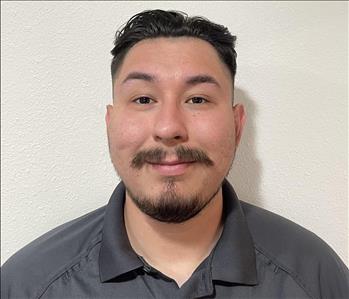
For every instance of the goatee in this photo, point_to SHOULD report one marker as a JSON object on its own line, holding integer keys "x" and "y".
{"x": 170, "y": 207}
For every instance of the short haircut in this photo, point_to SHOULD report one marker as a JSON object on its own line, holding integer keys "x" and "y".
{"x": 159, "y": 23}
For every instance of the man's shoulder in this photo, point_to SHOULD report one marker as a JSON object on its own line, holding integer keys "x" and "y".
{"x": 281, "y": 237}
{"x": 302, "y": 254}
{"x": 36, "y": 264}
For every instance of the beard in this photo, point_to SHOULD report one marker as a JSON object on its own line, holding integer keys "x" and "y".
{"x": 170, "y": 206}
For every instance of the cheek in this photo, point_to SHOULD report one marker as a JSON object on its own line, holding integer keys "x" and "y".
{"x": 217, "y": 136}
{"x": 126, "y": 134}
{"x": 216, "y": 131}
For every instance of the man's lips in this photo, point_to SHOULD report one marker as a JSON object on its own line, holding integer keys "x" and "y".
{"x": 174, "y": 162}
{"x": 171, "y": 168}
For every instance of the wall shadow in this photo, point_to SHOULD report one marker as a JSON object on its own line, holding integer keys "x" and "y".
{"x": 247, "y": 169}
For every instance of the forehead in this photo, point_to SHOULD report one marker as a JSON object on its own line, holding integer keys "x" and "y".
{"x": 174, "y": 58}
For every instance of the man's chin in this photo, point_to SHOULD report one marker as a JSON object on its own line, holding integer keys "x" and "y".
{"x": 169, "y": 204}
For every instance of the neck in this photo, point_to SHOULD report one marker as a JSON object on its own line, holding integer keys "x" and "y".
{"x": 176, "y": 250}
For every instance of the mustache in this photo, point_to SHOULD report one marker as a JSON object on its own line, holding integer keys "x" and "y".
{"x": 157, "y": 155}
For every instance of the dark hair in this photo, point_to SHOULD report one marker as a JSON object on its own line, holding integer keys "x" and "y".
{"x": 159, "y": 23}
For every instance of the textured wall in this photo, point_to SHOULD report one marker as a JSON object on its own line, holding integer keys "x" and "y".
{"x": 292, "y": 77}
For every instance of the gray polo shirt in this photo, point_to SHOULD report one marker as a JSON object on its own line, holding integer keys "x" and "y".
{"x": 259, "y": 255}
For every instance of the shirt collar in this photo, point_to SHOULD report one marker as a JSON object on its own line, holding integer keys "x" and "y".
{"x": 116, "y": 255}
{"x": 233, "y": 258}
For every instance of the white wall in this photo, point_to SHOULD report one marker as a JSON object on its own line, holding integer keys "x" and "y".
{"x": 55, "y": 83}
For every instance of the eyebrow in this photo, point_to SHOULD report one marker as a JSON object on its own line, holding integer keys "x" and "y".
{"x": 192, "y": 80}
{"x": 139, "y": 76}
{"x": 198, "y": 79}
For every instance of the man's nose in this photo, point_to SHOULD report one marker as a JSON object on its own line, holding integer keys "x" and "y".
{"x": 170, "y": 125}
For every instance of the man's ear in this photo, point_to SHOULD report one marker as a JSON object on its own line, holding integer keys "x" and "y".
{"x": 108, "y": 114}
{"x": 239, "y": 120}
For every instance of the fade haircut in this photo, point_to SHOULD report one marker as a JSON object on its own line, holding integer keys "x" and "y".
{"x": 159, "y": 23}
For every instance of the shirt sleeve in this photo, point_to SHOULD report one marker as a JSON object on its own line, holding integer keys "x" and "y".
{"x": 333, "y": 277}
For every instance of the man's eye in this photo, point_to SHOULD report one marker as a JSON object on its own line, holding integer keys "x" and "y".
{"x": 197, "y": 100}
{"x": 143, "y": 100}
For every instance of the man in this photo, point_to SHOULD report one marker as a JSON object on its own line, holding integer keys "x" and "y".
{"x": 174, "y": 228}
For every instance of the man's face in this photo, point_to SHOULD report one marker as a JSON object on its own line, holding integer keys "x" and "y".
{"x": 172, "y": 128}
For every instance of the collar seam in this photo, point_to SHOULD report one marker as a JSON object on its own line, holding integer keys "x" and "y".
{"x": 286, "y": 269}
{"x": 73, "y": 262}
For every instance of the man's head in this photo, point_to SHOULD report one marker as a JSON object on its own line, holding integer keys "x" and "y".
{"x": 172, "y": 128}
{"x": 158, "y": 23}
